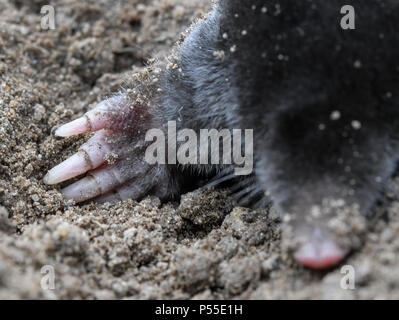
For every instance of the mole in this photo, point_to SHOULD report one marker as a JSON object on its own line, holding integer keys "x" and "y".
{"x": 322, "y": 101}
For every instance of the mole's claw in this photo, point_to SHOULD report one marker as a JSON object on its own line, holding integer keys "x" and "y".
{"x": 96, "y": 183}
{"x": 68, "y": 169}
{"x": 111, "y": 184}
{"x": 320, "y": 251}
{"x": 90, "y": 156}
{"x": 91, "y": 121}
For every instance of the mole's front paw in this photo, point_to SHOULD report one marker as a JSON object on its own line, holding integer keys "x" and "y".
{"x": 114, "y": 158}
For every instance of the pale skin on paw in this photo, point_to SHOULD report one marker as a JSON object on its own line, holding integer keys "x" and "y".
{"x": 103, "y": 182}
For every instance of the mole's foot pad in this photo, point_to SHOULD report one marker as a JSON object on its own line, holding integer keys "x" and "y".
{"x": 114, "y": 158}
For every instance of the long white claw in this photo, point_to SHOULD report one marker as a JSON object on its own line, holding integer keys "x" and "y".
{"x": 90, "y": 156}
{"x": 91, "y": 121}
{"x": 98, "y": 182}
{"x": 70, "y": 168}
{"x": 87, "y": 123}
{"x": 85, "y": 189}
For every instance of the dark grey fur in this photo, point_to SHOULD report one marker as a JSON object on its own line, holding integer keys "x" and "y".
{"x": 292, "y": 67}
{"x": 289, "y": 72}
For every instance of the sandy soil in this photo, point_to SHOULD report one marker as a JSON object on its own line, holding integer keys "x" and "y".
{"x": 200, "y": 248}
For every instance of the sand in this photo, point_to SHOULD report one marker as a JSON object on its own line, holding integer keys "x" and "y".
{"x": 199, "y": 248}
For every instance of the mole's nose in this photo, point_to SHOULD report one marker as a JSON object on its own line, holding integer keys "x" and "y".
{"x": 320, "y": 251}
